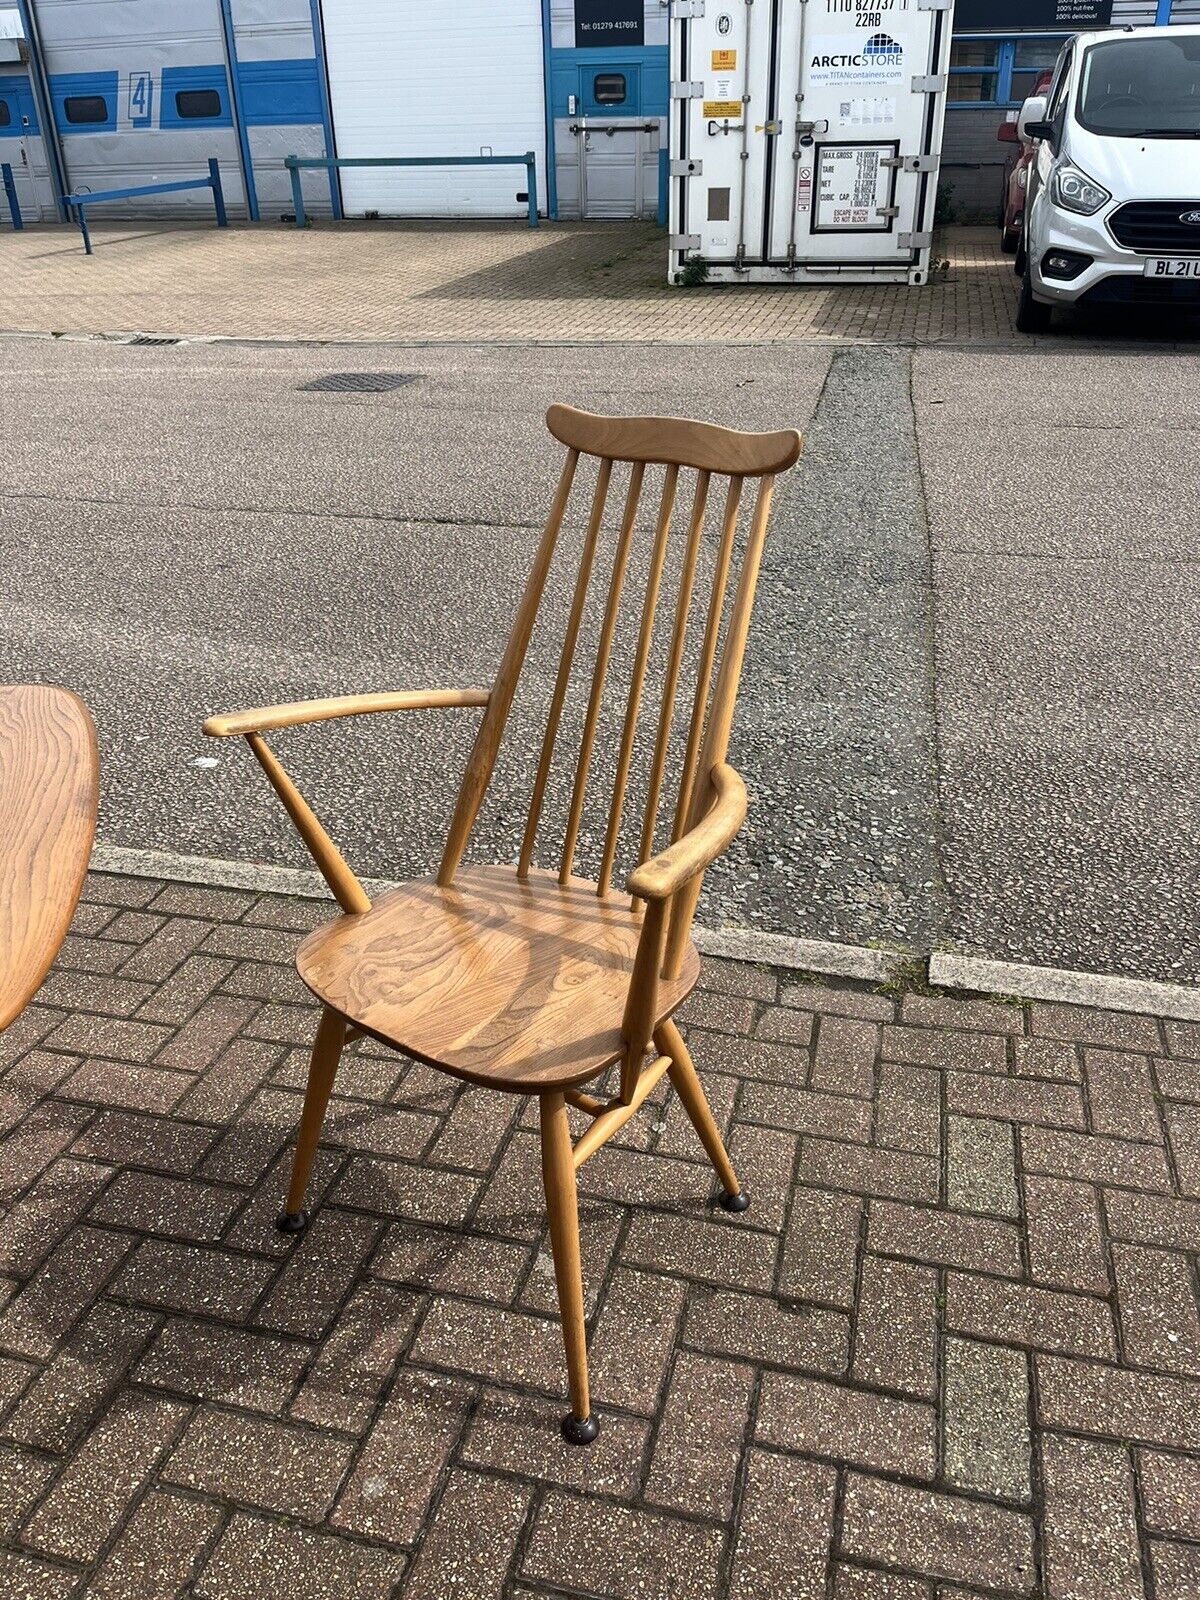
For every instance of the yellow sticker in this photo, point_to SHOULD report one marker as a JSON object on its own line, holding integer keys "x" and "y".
{"x": 722, "y": 108}
{"x": 724, "y": 60}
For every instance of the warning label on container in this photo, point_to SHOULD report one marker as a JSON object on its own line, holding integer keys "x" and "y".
{"x": 804, "y": 188}
{"x": 722, "y": 108}
{"x": 724, "y": 60}
{"x": 873, "y": 112}
{"x": 851, "y": 60}
{"x": 852, "y": 187}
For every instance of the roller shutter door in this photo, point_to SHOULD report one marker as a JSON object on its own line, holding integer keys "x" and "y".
{"x": 459, "y": 77}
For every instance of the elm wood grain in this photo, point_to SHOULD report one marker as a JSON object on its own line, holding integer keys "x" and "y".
{"x": 516, "y": 983}
{"x": 675, "y": 441}
{"x": 533, "y": 983}
{"x": 298, "y": 712}
{"x": 49, "y": 790}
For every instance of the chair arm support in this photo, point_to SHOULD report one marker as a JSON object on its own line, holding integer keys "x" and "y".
{"x": 299, "y": 712}
{"x": 663, "y": 874}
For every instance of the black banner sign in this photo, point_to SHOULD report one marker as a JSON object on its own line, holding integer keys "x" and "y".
{"x": 608, "y": 22}
{"x": 1011, "y": 16}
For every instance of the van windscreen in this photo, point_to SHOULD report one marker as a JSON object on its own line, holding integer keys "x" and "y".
{"x": 1142, "y": 88}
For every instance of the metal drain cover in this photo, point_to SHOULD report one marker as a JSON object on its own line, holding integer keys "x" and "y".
{"x": 358, "y": 382}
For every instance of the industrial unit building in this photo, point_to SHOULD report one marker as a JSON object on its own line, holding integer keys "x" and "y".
{"x": 99, "y": 94}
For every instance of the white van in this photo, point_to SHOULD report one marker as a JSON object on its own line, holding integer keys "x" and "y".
{"x": 1113, "y": 214}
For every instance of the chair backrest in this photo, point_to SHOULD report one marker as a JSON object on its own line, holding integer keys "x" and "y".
{"x": 676, "y": 446}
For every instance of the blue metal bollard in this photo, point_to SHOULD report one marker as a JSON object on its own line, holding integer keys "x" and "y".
{"x": 214, "y": 176}
{"x": 297, "y": 192}
{"x": 531, "y": 181}
{"x": 10, "y": 189}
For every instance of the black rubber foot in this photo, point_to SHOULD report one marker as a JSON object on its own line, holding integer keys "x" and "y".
{"x": 579, "y": 1430}
{"x": 292, "y": 1221}
{"x": 733, "y": 1202}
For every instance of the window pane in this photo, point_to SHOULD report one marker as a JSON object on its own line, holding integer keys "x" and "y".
{"x": 86, "y": 108}
{"x": 608, "y": 88}
{"x": 198, "y": 103}
{"x": 972, "y": 86}
{"x": 1037, "y": 52}
{"x": 5, "y": 114}
{"x": 975, "y": 53}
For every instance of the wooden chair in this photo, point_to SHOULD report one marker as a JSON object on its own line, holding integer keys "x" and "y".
{"x": 535, "y": 982}
{"x": 49, "y": 788}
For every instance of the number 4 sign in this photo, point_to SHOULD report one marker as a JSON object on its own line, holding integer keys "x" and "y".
{"x": 141, "y": 99}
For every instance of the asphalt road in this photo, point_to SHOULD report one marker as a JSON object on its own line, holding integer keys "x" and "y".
{"x": 969, "y": 715}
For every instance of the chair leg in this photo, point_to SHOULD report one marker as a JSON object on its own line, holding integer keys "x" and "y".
{"x": 327, "y": 1052}
{"x": 558, "y": 1175}
{"x": 682, "y": 1074}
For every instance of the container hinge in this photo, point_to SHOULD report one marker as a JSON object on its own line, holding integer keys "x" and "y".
{"x": 933, "y": 85}
{"x": 686, "y": 169}
{"x": 925, "y": 163}
{"x": 684, "y": 241}
{"x": 887, "y": 211}
{"x": 688, "y": 8}
{"x": 914, "y": 241}
{"x": 687, "y": 91}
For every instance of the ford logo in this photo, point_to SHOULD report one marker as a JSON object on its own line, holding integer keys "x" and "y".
{"x": 1192, "y": 218}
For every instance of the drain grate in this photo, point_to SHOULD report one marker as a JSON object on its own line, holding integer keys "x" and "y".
{"x": 149, "y": 338}
{"x": 358, "y": 382}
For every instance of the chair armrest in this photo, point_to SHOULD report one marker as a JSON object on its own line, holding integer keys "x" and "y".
{"x": 299, "y": 712}
{"x": 663, "y": 874}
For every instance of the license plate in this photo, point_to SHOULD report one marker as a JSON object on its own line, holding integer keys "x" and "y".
{"x": 1172, "y": 267}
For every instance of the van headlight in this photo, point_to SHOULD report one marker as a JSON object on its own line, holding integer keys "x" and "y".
{"x": 1075, "y": 191}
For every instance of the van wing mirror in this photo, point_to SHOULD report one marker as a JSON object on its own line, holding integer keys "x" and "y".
{"x": 1033, "y": 117}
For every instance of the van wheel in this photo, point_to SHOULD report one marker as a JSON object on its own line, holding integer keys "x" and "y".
{"x": 1032, "y": 315}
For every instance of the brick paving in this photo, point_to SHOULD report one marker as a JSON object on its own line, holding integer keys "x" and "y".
{"x": 466, "y": 281}
{"x": 952, "y": 1352}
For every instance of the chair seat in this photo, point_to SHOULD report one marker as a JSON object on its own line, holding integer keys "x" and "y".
{"x": 515, "y": 983}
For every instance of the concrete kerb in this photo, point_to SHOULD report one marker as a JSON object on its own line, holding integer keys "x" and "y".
{"x": 734, "y": 944}
{"x": 1144, "y": 996}
{"x": 1070, "y": 344}
{"x": 969, "y": 974}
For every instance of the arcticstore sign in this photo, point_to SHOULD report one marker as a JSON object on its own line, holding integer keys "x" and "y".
{"x": 608, "y": 22}
{"x": 982, "y": 16}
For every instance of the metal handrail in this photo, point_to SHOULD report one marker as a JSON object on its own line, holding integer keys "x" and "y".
{"x": 10, "y": 189}
{"x": 628, "y": 126}
{"x": 294, "y": 164}
{"x": 87, "y": 198}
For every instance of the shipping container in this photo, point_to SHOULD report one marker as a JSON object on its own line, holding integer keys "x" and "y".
{"x": 804, "y": 139}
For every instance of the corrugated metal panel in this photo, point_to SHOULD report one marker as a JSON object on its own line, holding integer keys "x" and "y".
{"x": 1186, "y": 11}
{"x": 460, "y": 78}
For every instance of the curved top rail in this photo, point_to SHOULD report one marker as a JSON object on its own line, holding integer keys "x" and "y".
{"x": 675, "y": 441}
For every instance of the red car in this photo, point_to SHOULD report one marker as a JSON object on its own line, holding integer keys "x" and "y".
{"x": 1016, "y": 176}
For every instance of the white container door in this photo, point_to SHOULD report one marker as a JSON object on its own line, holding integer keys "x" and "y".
{"x": 805, "y": 134}
{"x": 852, "y": 163}
{"x": 724, "y": 59}
{"x": 459, "y": 78}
